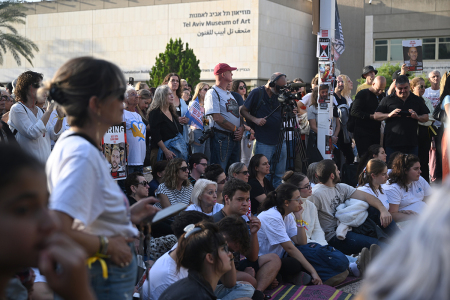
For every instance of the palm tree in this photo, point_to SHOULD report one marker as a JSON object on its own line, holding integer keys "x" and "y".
{"x": 10, "y": 41}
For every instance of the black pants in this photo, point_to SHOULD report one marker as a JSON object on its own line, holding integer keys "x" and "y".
{"x": 344, "y": 148}
{"x": 424, "y": 151}
{"x": 438, "y": 142}
{"x": 290, "y": 267}
{"x": 364, "y": 140}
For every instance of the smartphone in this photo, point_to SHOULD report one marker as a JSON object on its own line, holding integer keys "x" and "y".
{"x": 169, "y": 212}
{"x": 404, "y": 113}
{"x": 131, "y": 80}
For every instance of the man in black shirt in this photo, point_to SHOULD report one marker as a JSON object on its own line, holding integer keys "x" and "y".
{"x": 367, "y": 129}
{"x": 402, "y": 112}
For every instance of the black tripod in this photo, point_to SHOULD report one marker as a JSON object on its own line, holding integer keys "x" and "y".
{"x": 289, "y": 125}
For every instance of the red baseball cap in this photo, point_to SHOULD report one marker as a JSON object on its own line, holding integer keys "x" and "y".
{"x": 220, "y": 68}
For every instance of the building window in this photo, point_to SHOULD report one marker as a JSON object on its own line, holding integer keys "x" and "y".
{"x": 432, "y": 49}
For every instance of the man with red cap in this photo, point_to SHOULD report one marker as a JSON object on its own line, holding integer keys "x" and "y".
{"x": 223, "y": 111}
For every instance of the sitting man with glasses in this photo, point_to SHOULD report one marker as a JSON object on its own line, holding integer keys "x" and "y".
{"x": 137, "y": 187}
{"x": 260, "y": 271}
{"x": 197, "y": 165}
{"x": 402, "y": 111}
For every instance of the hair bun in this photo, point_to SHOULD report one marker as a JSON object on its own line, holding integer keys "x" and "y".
{"x": 56, "y": 93}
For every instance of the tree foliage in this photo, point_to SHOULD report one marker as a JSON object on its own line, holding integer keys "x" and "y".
{"x": 10, "y": 41}
{"x": 176, "y": 59}
{"x": 388, "y": 69}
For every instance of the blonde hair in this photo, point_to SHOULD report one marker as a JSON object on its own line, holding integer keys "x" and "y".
{"x": 199, "y": 187}
{"x": 346, "y": 92}
{"x": 198, "y": 88}
{"x": 140, "y": 85}
{"x": 160, "y": 100}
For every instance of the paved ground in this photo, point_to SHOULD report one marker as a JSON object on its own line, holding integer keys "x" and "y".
{"x": 352, "y": 288}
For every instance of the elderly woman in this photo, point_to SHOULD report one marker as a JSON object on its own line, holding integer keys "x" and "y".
{"x": 204, "y": 197}
{"x": 142, "y": 86}
{"x": 136, "y": 130}
{"x": 181, "y": 108}
{"x": 199, "y": 96}
{"x": 164, "y": 127}
{"x": 30, "y": 123}
{"x": 91, "y": 91}
{"x": 424, "y": 129}
{"x": 239, "y": 170}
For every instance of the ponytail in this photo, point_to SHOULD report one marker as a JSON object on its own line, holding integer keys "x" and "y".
{"x": 276, "y": 198}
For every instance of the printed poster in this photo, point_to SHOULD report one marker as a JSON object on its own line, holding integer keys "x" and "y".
{"x": 412, "y": 54}
{"x": 115, "y": 151}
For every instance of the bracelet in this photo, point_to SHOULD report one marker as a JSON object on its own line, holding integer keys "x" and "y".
{"x": 60, "y": 119}
{"x": 104, "y": 242}
{"x": 234, "y": 128}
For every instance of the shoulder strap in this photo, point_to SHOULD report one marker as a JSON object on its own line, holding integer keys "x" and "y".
{"x": 260, "y": 100}
{"x": 217, "y": 94}
{"x": 15, "y": 130}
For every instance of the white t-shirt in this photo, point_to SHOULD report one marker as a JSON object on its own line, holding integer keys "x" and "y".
{"x": 162, "y": 275}
{"x": 306, "y": 100}
{"x": 411, "y": 199}
{"x": 227, "y": 107}
{"x": 216, "y": 208}
{"x": 136, "y": 130}
{"x": 32, "y": 135}
{"x": 274, "y": 231}
{"x": 52, "y": 121}
{"x": 382, "y": 197}
{"x": 433, "y": 95}
{"x": 81, "y": 186}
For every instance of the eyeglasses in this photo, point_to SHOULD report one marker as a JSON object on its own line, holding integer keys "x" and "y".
{"x": 243, "y": 172}
{"x": 5, "y": 98}
{"x": 298, "y": 199}
{"x": 306, "y": 187}
{"x": 184, "y": 169}
{"x": 225, "y": 248}
{"x": 223, "y": 181}
{"x": 144, "y": 183}
{"x": 242, "y": 87}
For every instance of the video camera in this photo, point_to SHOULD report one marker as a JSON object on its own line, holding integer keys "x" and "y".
{"x": 287, "y": 98}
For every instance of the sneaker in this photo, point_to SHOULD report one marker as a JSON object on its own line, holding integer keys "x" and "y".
{"x": 374, "y": 251}
{"x": 363, "y": 260}
{"x": 301, "y": 278}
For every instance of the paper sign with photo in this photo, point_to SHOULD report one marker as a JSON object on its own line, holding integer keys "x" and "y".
{"x": 412, "y": 54}
{"x": 115, "y": 151}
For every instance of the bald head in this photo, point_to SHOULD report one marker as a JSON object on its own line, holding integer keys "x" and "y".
{"x": 378, "y": 85}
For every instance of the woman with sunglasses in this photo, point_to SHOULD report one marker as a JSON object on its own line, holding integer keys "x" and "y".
{"x": 91, "y": 92}
{"x": 202, "y": 250}
{"x": 204, "y": 197}
{"x": 137, "y": 187}
{"x": 199, "y": 96}
{"x": 239, "y": 171}
{"x": 281, "y": 231}
{"x": 176, "y": 187}
{"x": 424, "y": 129}
{"x": 217, "y": 174}
{"x": 261, "y": 186}
{"x": 30, "y": 123}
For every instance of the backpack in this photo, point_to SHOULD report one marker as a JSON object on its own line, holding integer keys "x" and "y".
{"x": 351, "y": 122}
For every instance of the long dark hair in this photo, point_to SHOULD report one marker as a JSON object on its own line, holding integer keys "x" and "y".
{"x": 235, "y": 87}
{"x": 254, "y": 163}
{"x": 368, "y": 155}
{"x": 402, "y": 163}
{"x": 167, "y": 79}
{"x": 276, "y": 198}
{"x": 374, "y": 166}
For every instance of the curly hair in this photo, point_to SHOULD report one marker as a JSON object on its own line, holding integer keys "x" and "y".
{"x": 212, "y": 172}
{"x": 401, "y": 164}
{"x": 23, "y": 82}
{"x": 171, "y": 176}
{"x": 235, "y": 229}
{"x": 167, "y": 79}
{"x": 233, "y": 185}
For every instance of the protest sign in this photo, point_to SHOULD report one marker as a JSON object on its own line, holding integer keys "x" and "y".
{"x": 115, "y": 151}
{"x": 412, "y": 54}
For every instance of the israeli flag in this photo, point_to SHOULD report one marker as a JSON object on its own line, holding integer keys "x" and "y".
{"x": 195, "y": 115}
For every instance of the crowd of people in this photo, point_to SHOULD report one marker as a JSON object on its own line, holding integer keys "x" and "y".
{"x": 258, "y": 213}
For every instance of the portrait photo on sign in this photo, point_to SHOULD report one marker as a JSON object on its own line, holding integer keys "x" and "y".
{"x": 115, "y": 151}
{"x": 412, "y": 54}
{"x": 326, "y": 71}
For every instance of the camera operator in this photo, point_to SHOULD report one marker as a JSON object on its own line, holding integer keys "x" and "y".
{"x": 402, "y": 111}
{"x": 222, "y": 108}
{"x": 268, "y": 121}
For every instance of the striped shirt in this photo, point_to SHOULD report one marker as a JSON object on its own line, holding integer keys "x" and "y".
{"x": 175, "y": 196}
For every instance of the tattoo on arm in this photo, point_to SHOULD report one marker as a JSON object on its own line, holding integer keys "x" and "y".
{"x": 224, "y": 122}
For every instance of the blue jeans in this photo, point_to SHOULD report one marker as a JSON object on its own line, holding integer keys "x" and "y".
{"x": 354, "y": 243}
{"x": 200, "y": 148}
{"x": 269, "y": 151}
{"x": 403, "y": 149}
{"x": 224, "y": 150}
{"x": 238, "y": 291}
{"x": 132, "y": 169}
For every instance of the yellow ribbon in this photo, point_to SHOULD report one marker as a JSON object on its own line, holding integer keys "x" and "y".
{"x": 432, "y": 129}
{"x": 99, "y": 258}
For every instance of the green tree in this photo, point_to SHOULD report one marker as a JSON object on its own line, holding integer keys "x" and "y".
{"x": 388, "y": 69}
{"x": 176, "y": 59}
{"x": 10, "y": 41}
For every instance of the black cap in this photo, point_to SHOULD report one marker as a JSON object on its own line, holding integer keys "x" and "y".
{"x": 368, "y": 69}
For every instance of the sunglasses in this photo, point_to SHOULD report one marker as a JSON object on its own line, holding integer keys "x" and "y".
{"x": 144, "y": 183}
{"x": 223, "y": 181}
{"x": 243, "y": 172}
{"x": 4, "y": 98}
{"x": 306, "y": 187}
{"x": 184, "y": 169}
{"x": 421, "y": 86}
{"x": 225, "y": 248}
{"x": 203, "y": 164}
{"x": 205, "y": 89}
{"x": 242, "y": 87}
